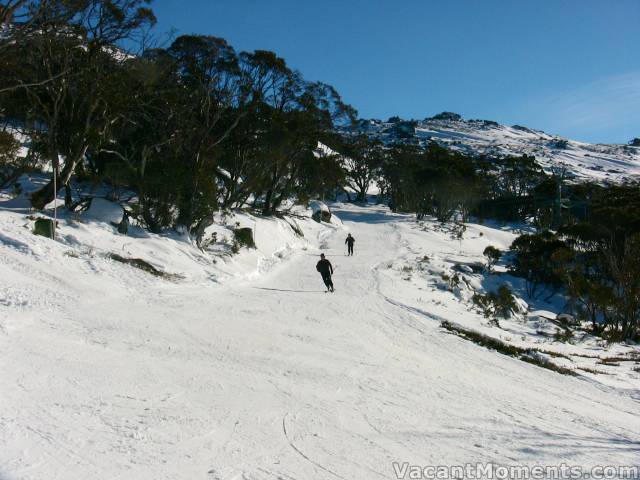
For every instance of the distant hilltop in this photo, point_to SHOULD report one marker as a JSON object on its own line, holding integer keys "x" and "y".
{"x": 597, "y": 162}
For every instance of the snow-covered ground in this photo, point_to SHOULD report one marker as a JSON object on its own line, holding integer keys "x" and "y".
{"x": 593, "y": 162}
{"x": 242, "y": 367}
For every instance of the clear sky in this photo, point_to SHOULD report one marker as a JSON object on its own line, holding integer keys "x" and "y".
{"x": 570, "y": 67}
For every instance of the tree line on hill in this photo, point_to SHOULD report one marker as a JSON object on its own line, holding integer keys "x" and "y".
{"x": 190, "y": 128}
{"x": 195, "y": 127}
{"x": 587, "y": 241}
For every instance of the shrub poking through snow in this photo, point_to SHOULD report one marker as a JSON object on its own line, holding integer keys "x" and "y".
{"x": 296, "y": 228}
{"x": 407, "y": 270}
{"x": 564, "y": 335}
{"x": 144, "y": 266}
{"x": 494, "y": 305}
{"x": 529, "y": 355}
{"x": 457, "y": 232}
{"x": 493, "y": 256}
{"x": 244, "y": 237}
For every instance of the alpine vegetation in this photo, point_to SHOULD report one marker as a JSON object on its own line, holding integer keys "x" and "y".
{"x": 212, "y": 268}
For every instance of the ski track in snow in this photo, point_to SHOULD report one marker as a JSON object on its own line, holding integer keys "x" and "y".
{"x": 112, "y": 374}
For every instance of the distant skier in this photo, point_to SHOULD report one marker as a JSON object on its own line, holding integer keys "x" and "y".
{"x": 349, "y": 241}
{"x": 326, "y": 270}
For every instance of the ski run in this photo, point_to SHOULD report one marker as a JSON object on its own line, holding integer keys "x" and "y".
{"x": 240, "y": 367}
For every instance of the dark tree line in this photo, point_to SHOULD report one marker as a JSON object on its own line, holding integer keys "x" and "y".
{"x": 189, "y": 128}
{"x": 196, "y": 126}
{"x": 593, "y": 260}
{"x": 588, "y": 244}
{"x": 450, "y": 185}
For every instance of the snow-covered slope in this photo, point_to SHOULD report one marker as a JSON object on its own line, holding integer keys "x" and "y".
{"x": 230, "y": 371}
{"x": 597, "y": 162}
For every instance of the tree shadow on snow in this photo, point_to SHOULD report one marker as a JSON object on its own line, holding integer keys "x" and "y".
{"x": 366, "y": 216}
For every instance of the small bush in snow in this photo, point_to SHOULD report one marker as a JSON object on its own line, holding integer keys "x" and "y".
{"x": 494, "y": 305}
{"x": 493, "y": 256}
{"x": 458, "y": 230}
{"x": 145, "y": 266}
{"x": 564, "y": 335}
{"x": 559, "y": 143}
{"x": 452, "y": 281}
{"x": 407, "y": 270}
{"x": 529, "y": 355}
{"x": 296, "y": 229}
{"x": 244, "y": 238}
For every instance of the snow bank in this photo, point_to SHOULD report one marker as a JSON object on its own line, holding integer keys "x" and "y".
{"x": 104, "y": 211}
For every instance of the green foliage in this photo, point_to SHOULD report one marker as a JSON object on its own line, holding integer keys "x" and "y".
{"x": 10, "y": 164}
{"x": 448, "y": 116}
{"x": 594, "y": 261}
{"x": 363, "y": 159}
{"x": 493, "y": 256}
{"x": 201, "y": 126}
{"x": 198, "y": 126}
{"x": 495, "y": 305}
{"x": 145, "y": 266}
{"x": 244, "y": 237}
{"x": 511, "y": 185}
{"x": 61, "y": 76}
{"x": 564, "y": 335}
{"x": 559, "y": 143}
{"x": 529, "y": 355}
{"x": 433, "y": 181}
{"x": 539, "y": 258}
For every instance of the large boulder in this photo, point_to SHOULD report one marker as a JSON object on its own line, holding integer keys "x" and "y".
{"x": 320, "y": 211}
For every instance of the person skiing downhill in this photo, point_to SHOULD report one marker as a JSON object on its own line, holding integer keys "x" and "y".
{"x": 326, "y": 270}
{"x": 349, "y": 241}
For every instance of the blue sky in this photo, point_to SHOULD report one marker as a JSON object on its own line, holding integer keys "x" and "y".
{"x": 570, "y": 67}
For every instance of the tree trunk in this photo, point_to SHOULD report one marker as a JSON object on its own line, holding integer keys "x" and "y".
{"x": 40, "y": 198}
{"x": 266, "y": 210}
{"x": 68, "y": 198}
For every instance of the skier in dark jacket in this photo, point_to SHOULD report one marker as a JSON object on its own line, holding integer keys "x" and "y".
{"x": 349, "y": 241}
{"x": 326, "y": 270}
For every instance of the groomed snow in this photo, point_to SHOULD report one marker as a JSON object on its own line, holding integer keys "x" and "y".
{"x": 245, "y": 369}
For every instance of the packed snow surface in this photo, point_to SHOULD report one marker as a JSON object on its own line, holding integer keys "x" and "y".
{"x": 246, "y": 369}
